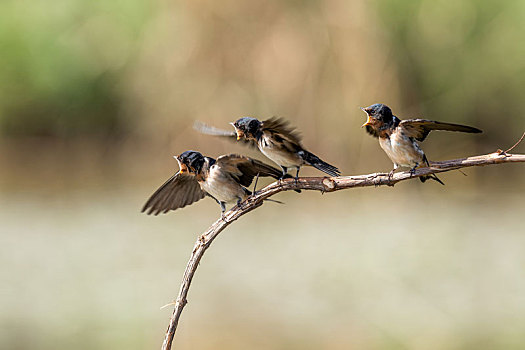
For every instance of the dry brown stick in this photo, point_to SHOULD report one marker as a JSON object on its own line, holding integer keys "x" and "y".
{"x": 517, "y": 143}
{"x": 323, "y": 184}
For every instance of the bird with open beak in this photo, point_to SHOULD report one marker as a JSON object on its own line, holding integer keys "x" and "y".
{"x": 399, "y": 138}
{"x": 224, "y": 179}
{"x": 276, "y": 140}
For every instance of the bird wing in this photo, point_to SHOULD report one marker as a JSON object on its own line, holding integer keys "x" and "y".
{"x": 244, "y": 169}
{"x": 180, "y": 190}
{"x": 231, "y": 135}
{"x": 281, "y": 129}
{"x": 420, "y": 128}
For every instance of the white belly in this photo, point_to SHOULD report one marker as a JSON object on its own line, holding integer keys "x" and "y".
{"x": 278, "y": 155}
{"x": 222, "y": 188}
{"x": 402, "y": 151}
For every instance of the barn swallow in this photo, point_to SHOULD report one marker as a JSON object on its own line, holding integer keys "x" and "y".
{"x": 276, "y": 140}
{"x": 223, "y": 179}
{"x": 398, "y": 138}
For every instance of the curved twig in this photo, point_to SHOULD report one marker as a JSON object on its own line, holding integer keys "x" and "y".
{"x": 517, "y": 143}
{"x": 323, "y": 184}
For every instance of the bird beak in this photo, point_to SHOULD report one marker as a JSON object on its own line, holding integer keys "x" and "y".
{"x": 240, "y": 134}
{"x": 368, "y": 122}
{"x": 183, "y": 169}
{"x": 365, "y": 109}
{"x": 182, "y": 166}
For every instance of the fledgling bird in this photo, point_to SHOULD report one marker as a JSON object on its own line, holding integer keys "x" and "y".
{"x": 399, "y": 138}
{"x": 276, "y": 140}
{"x": 223, "y": 179}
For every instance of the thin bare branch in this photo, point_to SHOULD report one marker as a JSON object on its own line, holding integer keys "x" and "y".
{"x": 323, "y": 184}
{"x": 517, "y": 143}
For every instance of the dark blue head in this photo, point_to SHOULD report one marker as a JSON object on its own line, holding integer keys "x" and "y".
{"x": 190, "y": 161}
{"x": 380, "y": 117}
{"x": 378, "y": 111}
{"x": 247, "y": 127}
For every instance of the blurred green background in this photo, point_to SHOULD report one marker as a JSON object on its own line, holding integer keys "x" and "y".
{"x": 96, "y": 96}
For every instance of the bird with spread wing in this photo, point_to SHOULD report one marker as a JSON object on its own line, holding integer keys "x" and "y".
{"x": 399, "y": 138}
{"x": 275, "y": 139}
{"x": 224, "y": 179}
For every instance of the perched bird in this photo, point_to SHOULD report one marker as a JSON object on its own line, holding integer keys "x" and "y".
{"x": 276, "y": 140}
{"x": 223, "y": 179}
{"x": 398, "y": 138}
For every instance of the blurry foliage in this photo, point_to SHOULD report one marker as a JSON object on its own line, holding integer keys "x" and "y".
{"x": 81, "y": 67}
{"x": 461, "y": 56}
{"x": 61, "y": 64}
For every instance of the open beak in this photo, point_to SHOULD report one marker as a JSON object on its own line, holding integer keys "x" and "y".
{"x": 182, "y": 166}
{"x": 240, "y": 134}
{"x": 368, "y": 120}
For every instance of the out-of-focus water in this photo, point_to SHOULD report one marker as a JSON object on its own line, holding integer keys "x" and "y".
{"x": 417, "y": 267}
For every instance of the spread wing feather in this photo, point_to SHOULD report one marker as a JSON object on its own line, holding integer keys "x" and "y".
{"x": 244, "y": 169}
{"x": 228, "y": 134}
{"x": 177, "y": 192}
{"x": 420, "y": 128}
{"x": 282, "y": 128}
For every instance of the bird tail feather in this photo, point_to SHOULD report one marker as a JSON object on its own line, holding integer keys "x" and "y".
{"x": 431, "y": 177}
{"x": 319, "y": 164}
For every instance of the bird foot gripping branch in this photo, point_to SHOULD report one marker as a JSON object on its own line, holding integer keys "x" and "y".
{"x": 200, "y": 176}
{"x": 399, "y": 138}
{"x": 224, "y": 179}
{"x": 314, "y": 183}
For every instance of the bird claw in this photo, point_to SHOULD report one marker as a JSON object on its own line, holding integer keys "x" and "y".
{"x": 239, "y": 203}
{"x": 391, "y": 175}
{"x": 390, "y": 178}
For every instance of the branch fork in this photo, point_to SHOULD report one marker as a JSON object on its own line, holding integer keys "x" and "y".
{"x": 322, "y": 184}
